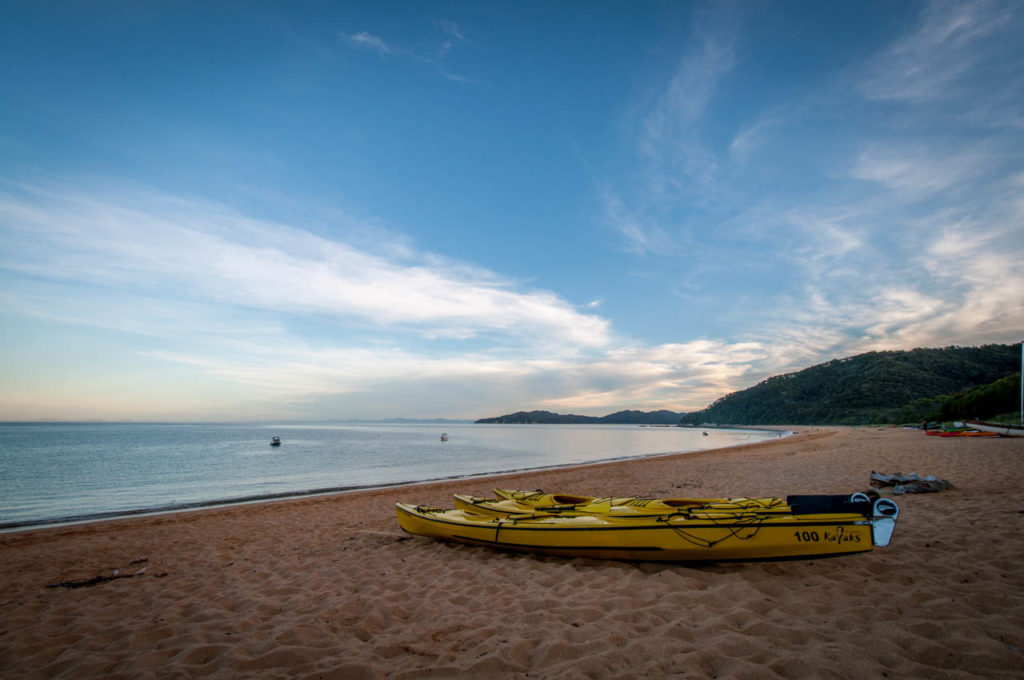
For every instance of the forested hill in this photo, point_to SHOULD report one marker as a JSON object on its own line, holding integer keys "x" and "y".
{"x": 877, "y": 387}
{"x": 619, "y": 418}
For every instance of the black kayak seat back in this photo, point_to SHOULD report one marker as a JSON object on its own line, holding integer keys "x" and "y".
{"x": 816, "y": 504}
{"x": 566, "y": 499}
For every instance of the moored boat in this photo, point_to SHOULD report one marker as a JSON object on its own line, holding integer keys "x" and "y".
{"x": 815, "y": 526}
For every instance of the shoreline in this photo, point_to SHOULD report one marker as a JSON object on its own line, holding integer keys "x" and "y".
{"x": 330, "y": 587}
{"x": 27, "y": 525}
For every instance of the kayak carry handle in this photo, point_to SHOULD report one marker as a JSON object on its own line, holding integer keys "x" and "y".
{"x": 883, "y": 523}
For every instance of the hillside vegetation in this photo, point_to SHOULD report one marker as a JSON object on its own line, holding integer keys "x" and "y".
{"x": 984, "y": 402}
{"x": 879, "y": 387}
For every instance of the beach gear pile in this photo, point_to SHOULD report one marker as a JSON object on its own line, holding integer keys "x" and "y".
{"x": 660, "y": 529}
{"x": 912, "y": 483}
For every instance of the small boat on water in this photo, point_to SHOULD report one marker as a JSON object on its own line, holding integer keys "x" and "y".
{"x": 814, "y": 526}
{"x": 997, "y": 428}
{"x": 444, "y": 436}
{"x": 275, "y": 441}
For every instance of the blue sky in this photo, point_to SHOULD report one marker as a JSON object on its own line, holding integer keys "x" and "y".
{"x": 252, "y": 210}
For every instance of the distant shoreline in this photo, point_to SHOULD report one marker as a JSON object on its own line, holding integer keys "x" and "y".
{"x": 617, "y": 418}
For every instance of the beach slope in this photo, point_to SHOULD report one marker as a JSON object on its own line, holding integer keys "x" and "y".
{"x": 329, "y": 587}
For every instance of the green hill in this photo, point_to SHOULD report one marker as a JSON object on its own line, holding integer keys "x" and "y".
{"x": 877, "y": 387}
{"x": 984, "y": 402}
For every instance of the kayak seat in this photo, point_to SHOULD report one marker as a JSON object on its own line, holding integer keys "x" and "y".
{"x": 683, "y": 502}
{"x": 816, "y": 504}
{"x": 566, "y": 499}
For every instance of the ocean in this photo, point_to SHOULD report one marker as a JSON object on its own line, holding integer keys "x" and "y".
{"x": 63, "y": 472}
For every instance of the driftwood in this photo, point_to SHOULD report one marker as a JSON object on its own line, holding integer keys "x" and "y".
{"x": 96, "y": 580}
{"x": 912, "y": 483}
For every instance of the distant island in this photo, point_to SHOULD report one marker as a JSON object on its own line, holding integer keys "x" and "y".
{"x": 618, "y": 418}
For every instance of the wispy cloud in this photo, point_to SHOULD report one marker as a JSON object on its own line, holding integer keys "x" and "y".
{"x": 672, "y": 376}
{"x": 921, "y": 169}
{"x": 677, "y": 169}
{"x": 367, "y": 41}
{"x": 950, "y": 42}
{"x": 980, "y": 265}
{"x": 638, "y": 236}
{"x": 453, "y": 31}
{"x": 887, "y": 280}
{"x": 154, "y": 243}
{"x": 437, "y": 52}
{"x": 672, "y": 129}
{"x": 751, "y": 137}
{"x": 823, "y": 236}
{"x": 695, "y": 79}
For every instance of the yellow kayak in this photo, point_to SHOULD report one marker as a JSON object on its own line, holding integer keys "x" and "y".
{"x": 510, "y": 502}
{"x": 816, "y": 526}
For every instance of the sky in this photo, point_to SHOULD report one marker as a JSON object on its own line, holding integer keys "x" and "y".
{"x": 320, "y": 210}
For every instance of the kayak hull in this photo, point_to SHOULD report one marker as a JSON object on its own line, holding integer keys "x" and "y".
{"x": 1000, "y": 429}
{"x": 684, "y": 537}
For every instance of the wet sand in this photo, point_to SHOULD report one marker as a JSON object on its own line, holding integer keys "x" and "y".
{"x": 329, "y": 586}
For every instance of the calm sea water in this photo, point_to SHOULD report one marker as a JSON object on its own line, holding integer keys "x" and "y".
{"x": 66, "y": 471}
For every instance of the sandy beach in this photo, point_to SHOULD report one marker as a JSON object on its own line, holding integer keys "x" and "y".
{"x": 329, "y": 586}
